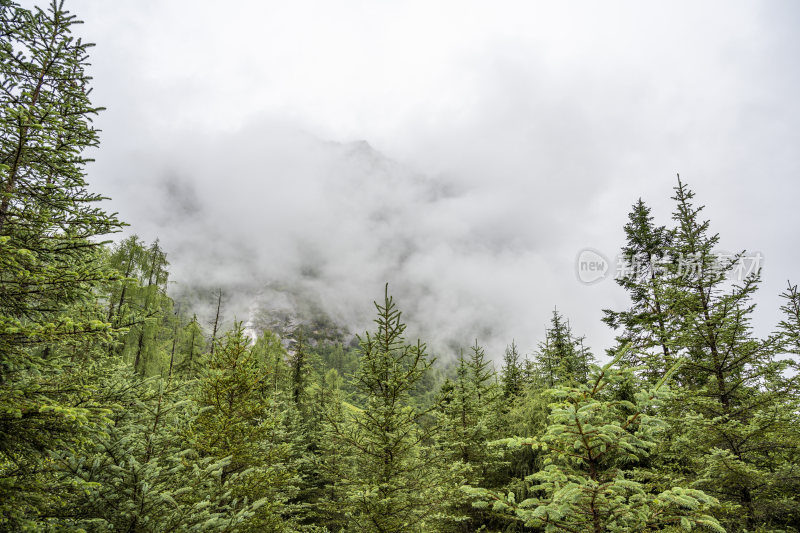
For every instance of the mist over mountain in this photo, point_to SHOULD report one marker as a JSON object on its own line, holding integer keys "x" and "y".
{"x": 273, "y": 215}
{"x": 504, "y": 142}
{"x": 327, "y": 223}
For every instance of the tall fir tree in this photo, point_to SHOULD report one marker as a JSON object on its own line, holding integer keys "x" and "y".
{"x": 50, "y": 263}
{"x": 467, "y": 417}
{"x": 300, "y": 366}
{"x": 647, "y": 323}
{"x": 512, "y": 373}
{"x": 562, "y": 357}
{"x": 789, "y": 327}
{"x": 738, "y": 402}
{"x": 238, "y": 422}
{"x": 191, "y": 348}
{"x": 331, "y": 458}
{"x": 397, "y": 480}
{"x": 735, "y": 400}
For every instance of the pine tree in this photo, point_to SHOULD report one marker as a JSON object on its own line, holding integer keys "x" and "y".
{"x": 125, "y": 257}
{"x": 238, "y": 422}
{"x": 340, "y": 357}
{"x": 304, "y": 405}
{"x": 735, "y": 405}
{"x": 300, "y": 366}
{"x": 562, "y": 357}
{"x": 735, "y": 400}
{"x": 155, "y": 308}
{"x": 789, "y": 328}
{"x": 316, "y": 455}
{"x": 191, "y": 348}
{"x": 397, "y": 481}
{"x": 466, "y": 415}
{"x": 591, "y": 443}
{"x": 50, "y": 259}
{"x": 331, "y": 458}
{"x": 216, "y": 323}
{"x": 271, "y": 354}
{"x": 512, "y": 373}
{"x": 139, "y": 305}
{"x": 135, "y": 476}
{"x": 647, "y": 322}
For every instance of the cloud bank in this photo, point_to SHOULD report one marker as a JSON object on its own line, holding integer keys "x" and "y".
{"x": 502, "y": 140}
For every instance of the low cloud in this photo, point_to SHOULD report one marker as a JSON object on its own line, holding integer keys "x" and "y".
{"x": 269, "y": 207}
{"x": 501, "y": 141}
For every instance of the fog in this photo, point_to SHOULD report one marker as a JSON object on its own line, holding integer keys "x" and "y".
{"x": 463, "y": 153}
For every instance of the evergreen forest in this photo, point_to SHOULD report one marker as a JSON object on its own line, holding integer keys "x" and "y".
{"x": 122, "y": 411}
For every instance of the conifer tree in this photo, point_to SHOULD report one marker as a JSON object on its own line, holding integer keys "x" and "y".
{"x": 135, "y": 475}
{"x": 736, "y": 408}
{"x": 591, "y": 443}
{"x": 216, "y": 322}
{"x": 789, "y": 328}
{"x": 317, "y": 457}
{"x": 331, "y": 458}
{"x": 343, "y": 358}
{"x": 191, "y": 348}
{"x": 270, "y": 353}
{"x": 237, "y": 422}
{"x": 647, "y": 322}
{"x": 50, "y": 262}
{"x": 300, "y": 366}
{"x": 139, "y": 305}
{"x": 736, "y": 400}
{"x": 562, "y": 357}
{"x": 398, "y": 480}
{"x": 126, "y": 257}
{"x": 155, "y": 308}
{"x": 467, "y": 417}
{"x": 304, "y": 405}
{"x": 512, "y": 373}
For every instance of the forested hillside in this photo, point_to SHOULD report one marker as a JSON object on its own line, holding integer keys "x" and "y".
{"x": 123, "y": 411}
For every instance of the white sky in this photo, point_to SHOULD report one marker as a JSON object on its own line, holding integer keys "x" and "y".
{"x": 542, "y": 122}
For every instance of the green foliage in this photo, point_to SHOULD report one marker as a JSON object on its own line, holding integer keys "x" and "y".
{"x": 339, "y": 357}
{"x": 732, "y": 422}
{"x": 394, "y": 478}
{"x": 238, "y": 422}
{"x": 562, "y": 357}
{"x": 790, "y": 326}
{"x": 738, "y": 402}
{"x": 300, "y": 368}
{"x": 139, "y": 303}
{"x": 136, "y": 475}
{"x": 643, "y": 275}
{"x": 465, "y": 410}
{"x": 466, "y": 415}
{"x": 190, "y": 349}
{"x": 591, "y": 444}
{"x": 120, "y": 412}
{"x": 50, "y": 262}
{"x": 512, "y": 372}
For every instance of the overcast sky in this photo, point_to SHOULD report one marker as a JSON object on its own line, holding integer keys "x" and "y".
{"x": 500, "y": 139}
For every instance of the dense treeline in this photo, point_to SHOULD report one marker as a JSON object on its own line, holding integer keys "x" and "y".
{"x": 122, "y": 411}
